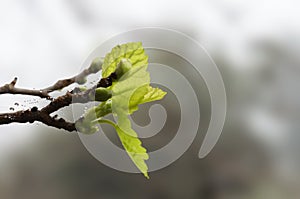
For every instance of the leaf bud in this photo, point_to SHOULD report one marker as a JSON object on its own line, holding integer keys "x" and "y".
{"x": 102, "y": 94}
{"x": 123, "y": 67}
{"x": 96, "y": 65}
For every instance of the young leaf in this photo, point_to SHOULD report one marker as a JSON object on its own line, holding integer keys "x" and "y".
{"x": 133, "y": 51}
{"x": 122, "y": 92}
{"x": 135, "y": 150}
{"x": 143, "y": 95}
{"x": 132, "y": 145}
{"x": 128, "y": 90}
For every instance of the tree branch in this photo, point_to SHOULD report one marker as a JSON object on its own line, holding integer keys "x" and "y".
{"x": 33, "y": 115}
{"x": 80, "y": 79}
{"x": 60, "y": 84}
{"x": 11, "y": 89}
{"x": 43, "y": 115}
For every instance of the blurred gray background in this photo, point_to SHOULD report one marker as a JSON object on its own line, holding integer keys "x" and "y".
{"x": 255, "y": 45}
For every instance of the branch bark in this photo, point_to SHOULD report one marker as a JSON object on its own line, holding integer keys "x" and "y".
{"x": 11, "y": 89}
{"x": 60, "y": 84}
{"x": 43, "y": 115}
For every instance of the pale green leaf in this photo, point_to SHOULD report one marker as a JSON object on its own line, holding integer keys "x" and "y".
{"x": 135, "y": 150}
{"x": 133, "y": 51}
{"x": 132, "y": 145}
{"x": 122, "y": 92}
{"x": 143, "y": 95}
{"x": 128, "y": 90}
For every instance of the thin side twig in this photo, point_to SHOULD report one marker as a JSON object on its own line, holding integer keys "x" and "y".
{"x": 60, "y": 84}
{"x": 11, "y": 89}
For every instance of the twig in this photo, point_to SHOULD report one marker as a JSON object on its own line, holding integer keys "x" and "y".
{"x": 43, "y": 115}
{"x": 60, "y": 84}
{"x": 33, "y": 115}
{"x": 80, "y": 78}
{"x": 11, "y": 89}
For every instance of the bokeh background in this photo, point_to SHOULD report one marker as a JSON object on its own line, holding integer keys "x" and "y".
{"x": 255, "y": 45}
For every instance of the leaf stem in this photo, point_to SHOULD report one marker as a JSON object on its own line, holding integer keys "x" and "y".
{"x": 105, "y": 121}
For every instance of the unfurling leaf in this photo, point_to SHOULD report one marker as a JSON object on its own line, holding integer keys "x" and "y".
{"x": 130, "y": 88}
{"x": 133, "y": 51}
{"x": 143, "y": 95}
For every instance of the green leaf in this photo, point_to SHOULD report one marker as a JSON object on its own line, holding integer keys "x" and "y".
{"x": 134, "y": 149}
{"x": 133, "y": 51}
{"x": 123, "y": 67}
{"x": 132, "y": 145}
{"x": 143, "y": 95}
{"x": 128, "y": 90}
{"x": 122, "y": 92}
